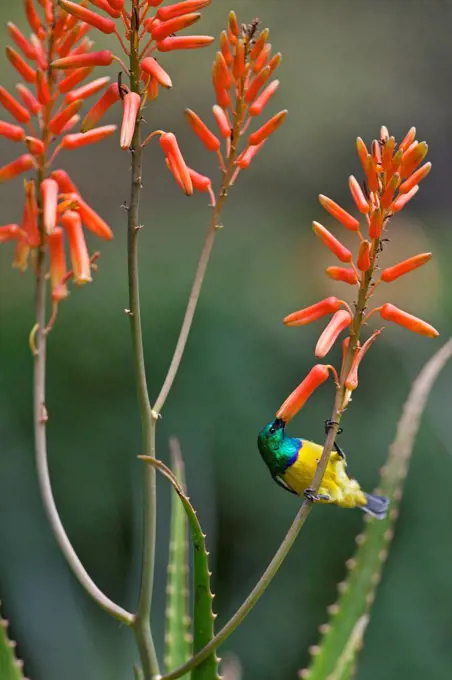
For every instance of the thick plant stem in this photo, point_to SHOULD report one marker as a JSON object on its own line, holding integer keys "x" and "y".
{"x": 142, "y": 625}
{"x": 303, "y": 513}
{"x": 39, "y": 347}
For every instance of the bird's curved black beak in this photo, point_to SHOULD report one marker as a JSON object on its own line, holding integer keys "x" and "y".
{"x": 279, "y": 424}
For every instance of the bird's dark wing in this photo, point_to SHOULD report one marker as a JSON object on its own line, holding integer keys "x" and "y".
{"x": 280, "y": 482}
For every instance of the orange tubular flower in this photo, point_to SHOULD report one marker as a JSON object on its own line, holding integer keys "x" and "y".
{"x": 29, "y": 218}
{"x": 223, "y": 122}
{"x": 49, "y": 195}
{"x": 339, "y": 213}
{"x": 200, "y": 182}
{"x": 102, "y": 58}
{"x": 58, "y": 269}
{"x": 351, "y": 382}
{"x": 415, "y": 178}
{"x": 376, "y": 224}
{"x": 184, "y": 42}
{"x": 79, "y": 139}
{"x": 72, "y": 224}
{"x": 17, "y": 167}
{"x": 342, "y": 274}
{"x": 403, "y": 199}
{"x": 338, "y": 323}
{"x": 131, "y": 109}
{"x": 9, "y": 232}
{"x": 87, "y": 90}
{"x": 101, "y": 23}
{"x": 12, "y": 132}
{"x": 358, "y": 195}
{"x": 180, "y": 8}
{"x": 58, "y": 123}
{"x": 25, "y": 71}
{"x": 162, "y": 29}
{"x": 258, "y": 105}
{"x": 169, "y": 144}
{"x": 90, "y": 218}
{"x": 245, "y": 158}
{"x": 392, "y": 273}
{"x": 95, "y": 114}
{"x": 13, "y": 107}
{"x": 304, "y": 316}
{"x": 256, "y": 84}
{"x": 28, "y": 99}
{"x": 21, "y": 41}
{"x": 331, "y": 242}
{"x": 35, "y": 146}
{"x": 153, "y": 68}
{"x": 267, "y": 129}
{"x": 363, "y": 263}
{"x": 295, "y": 401}
{"x": 210, "y": 141}
{"x": 392, "y": 313}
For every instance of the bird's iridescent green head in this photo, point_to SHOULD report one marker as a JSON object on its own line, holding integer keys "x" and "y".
{"x": 277, "y": 450}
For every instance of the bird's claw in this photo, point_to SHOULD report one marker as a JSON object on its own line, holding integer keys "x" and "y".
{"x": 314, "y": 497}
{"x": 329, "y": 424}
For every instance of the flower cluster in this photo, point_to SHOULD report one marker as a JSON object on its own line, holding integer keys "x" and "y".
{"x": 45, "y": 112}
{"x": 392, "y": 176}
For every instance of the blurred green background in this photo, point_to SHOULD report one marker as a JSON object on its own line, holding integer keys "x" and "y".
{"x": 348, "y": 68}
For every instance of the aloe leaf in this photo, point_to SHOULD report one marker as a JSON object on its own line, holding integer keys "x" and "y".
{"x": 177, "y": 636}
{"x": 357, "y": 591}
{"x": 203, "y": 616}
{"x": 10, "y": 665}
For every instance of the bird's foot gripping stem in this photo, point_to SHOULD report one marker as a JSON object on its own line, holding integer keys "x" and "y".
{"x": 314, "y": 497}
{"x": 328, "y": 425}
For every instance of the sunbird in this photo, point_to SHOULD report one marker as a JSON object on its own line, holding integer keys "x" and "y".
{"x": 293, "y": 461}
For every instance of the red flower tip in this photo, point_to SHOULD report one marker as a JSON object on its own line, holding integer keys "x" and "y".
{"x": 17, "y": 167}
{"x": 337, "y": 324}
{"x": 363, "y": 262}
{"x": 34, "y": 20}
{"x": 28, "y": 99}
{"x": 12, "y": 132}
{"x": 409, "y": 139}
{"x": 95, "y": 114}
{"x": 238, "y": 67}
{"x": 259, "y": 44}
{"x": 210, "y": 141}
{"x": 262, "y": 58}
{"x": 412, "y": 157}
{"x": 83, "y": 14}
{"x": 295, "y": 401}
{"x": 358, "y": 195}
{"x": 363, "y": 153}
{"x": 392, "y": 273}
{"x": 263, "y": 99}
{"x": 153, "y": 68}
{"x": 331, "y": 242}
{"x": 49, "y": 195}
{"x": 29, "y": 223}
{"x": 304, "y": 316}
{"x": 256, "y": 84}
{"x": 131, "y": 108}
{"x": 413, "y": 323}
{"x": 342, "y": 274}
{"x": 339, "y": 213}
{"x": 176, "y": 162}
{"x": 351, "y": 382}
{"x": 13, "y": 107}
{"x": 180, "y": 8}
{"x": 184, "y": 42}
{"x": 58, "y": 269}
{"x": 233, "y": 25}
{"x": 78, "y": 139}
{"x": 72, "y": 224}
{"x": 200, "y": 182}
{"x": 74, "y": 78}
{"x": 42, "y": 88}
{"x": 35, "y": 146}
{"x": 267, "y": 129}
{"x": 102, "y": 58}
{"x": 225, "y": 49}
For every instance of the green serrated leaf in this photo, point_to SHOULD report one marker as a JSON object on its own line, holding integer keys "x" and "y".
{"x": 203, "y": 616}
{"x": 177, "y": 636}
{"x": 10, "y": 666}
{"x": 357, "y": 591}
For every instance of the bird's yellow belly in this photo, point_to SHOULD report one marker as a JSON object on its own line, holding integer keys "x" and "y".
{"x": 336, "y": 484}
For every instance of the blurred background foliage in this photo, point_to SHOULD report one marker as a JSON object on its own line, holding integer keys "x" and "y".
{"x": 348, "y": 67}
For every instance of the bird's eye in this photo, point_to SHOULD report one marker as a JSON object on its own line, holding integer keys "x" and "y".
{"x": 272, "y": 429}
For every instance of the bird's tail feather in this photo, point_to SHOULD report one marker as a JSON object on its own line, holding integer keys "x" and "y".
{"x": 377, "y": 506}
